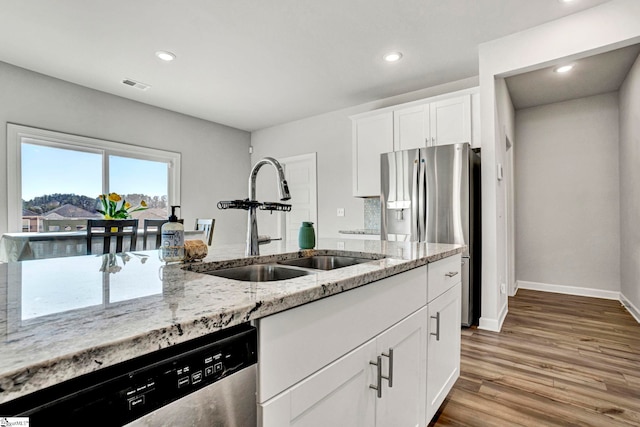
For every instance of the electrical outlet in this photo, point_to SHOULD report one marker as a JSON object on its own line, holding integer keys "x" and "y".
{"x": 503, "y": 288}
{"x": 340, "y": 245}
{"x": 340, "y": 211}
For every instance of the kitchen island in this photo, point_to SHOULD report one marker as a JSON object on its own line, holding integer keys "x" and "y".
{"x": 65, "y": 317}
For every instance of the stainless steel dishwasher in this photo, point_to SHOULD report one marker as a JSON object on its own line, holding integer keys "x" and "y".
{"x": 209, "y": 381}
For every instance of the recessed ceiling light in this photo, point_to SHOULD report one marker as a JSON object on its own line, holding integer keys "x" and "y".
{"x": 165, "y": 56}
{"x": 563, "y": 69}
{"x": 393, "y": 56}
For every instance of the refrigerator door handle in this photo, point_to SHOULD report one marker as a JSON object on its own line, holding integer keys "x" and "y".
{"x": 415, "y": 209}
{"x": 422, "y": 208}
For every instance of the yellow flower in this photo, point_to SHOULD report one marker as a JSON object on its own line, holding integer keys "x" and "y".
{"x": 115, "y": 206}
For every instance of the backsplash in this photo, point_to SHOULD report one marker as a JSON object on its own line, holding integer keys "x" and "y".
{"x": 372, "y": 213}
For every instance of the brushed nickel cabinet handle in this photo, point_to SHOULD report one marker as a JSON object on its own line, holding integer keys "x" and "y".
{"x": 378, "y": 386}
{"x": 437, "y": 334}
{"x": 390, "y": 377}
{"x": 451, "y": 273}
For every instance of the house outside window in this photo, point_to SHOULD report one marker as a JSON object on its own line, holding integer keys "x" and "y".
{"x": 55, "y": 179}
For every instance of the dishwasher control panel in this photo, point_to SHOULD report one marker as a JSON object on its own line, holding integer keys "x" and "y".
{"x": 122, "y": 393}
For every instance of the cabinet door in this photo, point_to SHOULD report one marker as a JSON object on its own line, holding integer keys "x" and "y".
{"x": 443, "y": 348}
{"x": 410, "y": 127}
{"x": 451, "y": 120}
{"x": 403, "y": 395}
{"x": 372, "y": 136}
{"x": 337, "y": 395}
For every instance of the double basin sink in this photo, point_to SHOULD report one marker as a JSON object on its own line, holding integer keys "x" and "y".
{"x": 288, "y": 268}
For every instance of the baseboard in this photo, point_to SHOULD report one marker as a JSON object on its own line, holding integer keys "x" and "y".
{"x": 503, "y": 315}
{"x": 492, "y": 325}
{"x": 569, "y": 290}
{"x": 630, "y": 307}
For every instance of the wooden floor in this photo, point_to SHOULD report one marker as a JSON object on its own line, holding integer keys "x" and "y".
{"x": 560, "y": 360}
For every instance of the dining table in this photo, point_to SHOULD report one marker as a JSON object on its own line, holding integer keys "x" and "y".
{"x": 39, "y": 245}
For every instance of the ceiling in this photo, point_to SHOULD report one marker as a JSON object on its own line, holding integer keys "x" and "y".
{"x": 253, "y": 64}
{"x": 592, "y": 75}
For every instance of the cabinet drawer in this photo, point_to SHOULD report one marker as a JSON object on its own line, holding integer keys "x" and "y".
{"x": 443, "y": 275}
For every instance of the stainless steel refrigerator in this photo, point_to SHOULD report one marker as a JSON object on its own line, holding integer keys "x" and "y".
{"x": 433, "y": 195}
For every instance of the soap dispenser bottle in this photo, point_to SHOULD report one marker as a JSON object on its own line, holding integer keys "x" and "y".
{"x": 172, "y": 238}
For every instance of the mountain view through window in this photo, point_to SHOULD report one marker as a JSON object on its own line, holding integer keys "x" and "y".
{"x": 63, "y": 185}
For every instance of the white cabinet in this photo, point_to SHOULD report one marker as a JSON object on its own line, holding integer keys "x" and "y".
{"x": 443, "y": 331}
{"x": 450, "y": 121}
{"x": 402, "y": 352}
{"x": 372, "y": 136}
{"x": 411, "y": 127}
{"x": 443, "y": 348}
{"x": 385, "y": 354}
{"x": 352, "y": 391}
{"x": 443, "y": 122}
{"x": 338, "y": 395}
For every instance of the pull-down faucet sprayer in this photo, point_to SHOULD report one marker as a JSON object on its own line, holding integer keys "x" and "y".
{"x": 252, "y": 223}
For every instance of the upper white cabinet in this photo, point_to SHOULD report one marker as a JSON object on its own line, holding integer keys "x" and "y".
{"x": 437, "y": 123}
{"x": 411, "y": 127}
{"x": 372, "y": 136}
{"x": 442, "y": 120}
{"x": 450, "y": 121}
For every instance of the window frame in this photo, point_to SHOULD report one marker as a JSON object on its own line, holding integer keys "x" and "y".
{"x": 17, "y": 134}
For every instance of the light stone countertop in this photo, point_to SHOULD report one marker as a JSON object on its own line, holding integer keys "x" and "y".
{"x": 64, "y": 317}
{"x": 361, "y": 231}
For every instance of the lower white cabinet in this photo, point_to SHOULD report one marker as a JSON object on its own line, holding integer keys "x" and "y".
{"x": 443, "y": 347}
{"x": 402, "y": 351}
{"x": 380, "y": 383}
{"x": 384, "y": 354}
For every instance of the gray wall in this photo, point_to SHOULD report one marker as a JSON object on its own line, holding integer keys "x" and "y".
{"x": 630, "y": 188}
{"x": 215, "y": 159}
{"x": 330, "y": 136}
{"x": 567, "y": 194}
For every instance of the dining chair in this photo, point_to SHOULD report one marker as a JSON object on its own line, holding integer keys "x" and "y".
{"x": 58, "y": 248}
{"x": 206, "y": 225}
{"x": 59, "y": 225}
{"x": 152, "y": 227}
{"x": 108, "y": 228}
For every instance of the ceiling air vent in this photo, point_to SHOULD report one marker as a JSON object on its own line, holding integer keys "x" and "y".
{"x": 137, "y": 85}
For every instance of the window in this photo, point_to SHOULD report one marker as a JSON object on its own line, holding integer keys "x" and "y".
{"x": 52, "y": 175}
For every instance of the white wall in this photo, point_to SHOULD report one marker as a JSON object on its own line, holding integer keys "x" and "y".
{"x": 602, "y": 28}
{"x": 215, "y": 159}
{"x": 330, "y": 136}
{"x": 630, "y": 190}
{"x": 567, "y": 195}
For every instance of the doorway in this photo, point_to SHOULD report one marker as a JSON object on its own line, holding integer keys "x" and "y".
{"x": 301, "y": 174}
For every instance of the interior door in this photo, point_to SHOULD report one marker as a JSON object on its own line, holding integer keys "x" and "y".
{"x": 300, "y": 172}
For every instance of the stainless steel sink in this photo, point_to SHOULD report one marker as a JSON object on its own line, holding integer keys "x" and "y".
{"x": 324, "y": 262}
{"x": 258, "y": 273}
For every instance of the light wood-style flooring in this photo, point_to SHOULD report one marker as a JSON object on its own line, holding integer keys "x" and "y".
{"x": 560, "y": 360}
